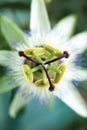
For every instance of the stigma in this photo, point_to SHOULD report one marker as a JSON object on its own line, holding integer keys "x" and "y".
{"x": 44, "y": 66}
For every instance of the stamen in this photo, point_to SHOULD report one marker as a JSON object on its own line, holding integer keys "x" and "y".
{"x": 48, "y": 81}
{"x": 21, "y": 53}
{"x": 64, "y": 55}
{"x": 27, "y": 73}
{"x": 51, "y": 88}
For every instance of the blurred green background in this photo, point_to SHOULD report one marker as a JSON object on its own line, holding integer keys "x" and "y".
{"x": 37, "y": 117}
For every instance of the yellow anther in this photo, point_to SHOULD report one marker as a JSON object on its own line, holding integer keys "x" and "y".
{"x": 37, "y": 56}
{"x": 27, "y": 73}
{"x": 29, "y": 51}
{"x": 53, "y": 50}
{"x": 61, "y": 69}
{"x": 40, "y": 84}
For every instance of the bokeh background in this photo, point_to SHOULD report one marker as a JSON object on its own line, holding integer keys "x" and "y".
{"x": 35, "y": 116}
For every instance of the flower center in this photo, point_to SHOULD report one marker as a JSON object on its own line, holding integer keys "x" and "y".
{"x": 43, "y": 65}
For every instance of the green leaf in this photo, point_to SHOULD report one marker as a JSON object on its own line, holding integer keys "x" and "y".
{"x": 17, "y": 15}
{"x": 3, "y": 43}
{"x": 13, "y": 1}
{"x": 12, "y": 33}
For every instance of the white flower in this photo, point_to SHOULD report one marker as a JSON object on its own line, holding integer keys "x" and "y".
{"x": 56, "y": 39}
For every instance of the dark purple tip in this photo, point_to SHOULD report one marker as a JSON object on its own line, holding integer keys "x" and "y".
{"x": 66, "y": 54}
{"x": 21, "y": 53}
{"x": 51, "y": 88}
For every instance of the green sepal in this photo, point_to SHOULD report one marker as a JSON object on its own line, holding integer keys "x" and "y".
{"x": 20, "y": 99}
{"x": 12, "y": 33}
{"x": 23, "y": 109}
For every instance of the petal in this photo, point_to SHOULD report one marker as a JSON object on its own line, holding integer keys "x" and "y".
{"x": 39, "y": 20}
{"x": 77, "y": 44}
{"x": 4, "y": 55}
{"x": 70, "y": 96}
{"x": 78, "y": 74}
{"x": 65, "y": 28}
{"x": 12, "y": 33}
{"x": 5, "y": 85}
{"x": 75, "y": 72}
{"x": 21, "y": 98}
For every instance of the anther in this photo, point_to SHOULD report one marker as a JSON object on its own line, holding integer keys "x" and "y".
{"x": 64, "y": 55}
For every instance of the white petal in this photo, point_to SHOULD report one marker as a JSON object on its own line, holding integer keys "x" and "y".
{"x": 78, "y": 74}
{"x": 64, "y": 29}
{"x": 74, "y": 72}
{"x": 70, "y": 96}
{"x": 39, "y": 20}
{"x": 77, "y": 44}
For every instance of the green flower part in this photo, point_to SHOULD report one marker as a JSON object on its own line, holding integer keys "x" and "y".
{"x": 45, "y": 63}
{"x": 42, "y": 62}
